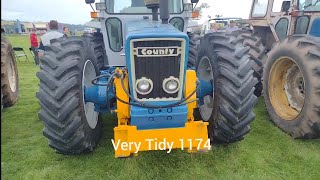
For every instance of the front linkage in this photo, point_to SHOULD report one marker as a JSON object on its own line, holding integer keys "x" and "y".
{"x": 111, "y": 88}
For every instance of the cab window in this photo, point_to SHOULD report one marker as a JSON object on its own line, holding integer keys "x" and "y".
{"x": 114, "y": 31}
{"x": 302, "y": 25}
{"x": 309, "y": 5}
{"x": 277, "y": 5}
{"x": 282, "y": 28}
{"x": 139, "y": 7}
{"x": 260, "y": 8}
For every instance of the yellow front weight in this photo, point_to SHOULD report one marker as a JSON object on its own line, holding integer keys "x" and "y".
{"x": 128, "y": 140}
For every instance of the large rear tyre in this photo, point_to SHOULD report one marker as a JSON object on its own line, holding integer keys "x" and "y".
{"x": 9, "y": 74}
{"x": 292, "y": 85}
{"x": 71, "y": 124}
{"x": 194, "y": 42}
{"x": 257, "y": 53}
{"x": 224, "y": 61}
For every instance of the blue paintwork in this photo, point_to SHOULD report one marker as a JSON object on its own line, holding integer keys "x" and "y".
{"x": 204, "y": 88}
{"x": 100, "y": 95}
{"x": 315, "y": 28}
{"x": 141, "y": 117}
{"x": 150, "y": 29}
{"x": 145, "y": 118}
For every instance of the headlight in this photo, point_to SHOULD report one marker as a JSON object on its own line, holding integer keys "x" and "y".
{"x": 144, "y": 86}
{"x": 171, "y": 85}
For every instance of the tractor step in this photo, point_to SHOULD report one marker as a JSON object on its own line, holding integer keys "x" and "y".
{"x": 129, "y": 141}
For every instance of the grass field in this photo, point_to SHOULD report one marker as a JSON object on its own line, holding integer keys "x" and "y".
{"x": 265, "y": 153}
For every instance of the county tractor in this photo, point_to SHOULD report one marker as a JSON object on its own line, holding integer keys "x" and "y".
{"x": 140, "y": 64}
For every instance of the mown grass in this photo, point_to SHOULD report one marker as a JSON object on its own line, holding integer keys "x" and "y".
{"x": 265, "y": 153}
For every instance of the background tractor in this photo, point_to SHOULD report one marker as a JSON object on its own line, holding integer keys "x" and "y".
{"x": 9, "y": 74}
{"x": 290, "y": 32}
{"x": 140, "y": 67}
{"x": 221, "y": 22}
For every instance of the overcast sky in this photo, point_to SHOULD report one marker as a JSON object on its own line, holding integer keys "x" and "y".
{"x": 78, "y": 12}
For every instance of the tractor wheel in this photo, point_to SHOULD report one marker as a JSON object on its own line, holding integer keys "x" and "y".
{"x": 194, "y": 42}
{"x": 292, "y": 86}
{"x": 224, "y": 61}
{"x": 96, "y": 50}
{"x": 9, "y": 74}
{"x": 257, "y": 53}
{"x": 71, "y": 125}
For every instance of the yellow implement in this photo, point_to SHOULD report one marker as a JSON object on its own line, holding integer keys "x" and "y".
{"x": 128, "y": 140}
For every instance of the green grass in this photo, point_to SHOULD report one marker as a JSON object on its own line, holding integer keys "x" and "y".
{"x": 265, "y": 153}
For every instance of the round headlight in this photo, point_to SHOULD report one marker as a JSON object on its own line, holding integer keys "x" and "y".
{"x": 171, "y": 85}
{"x": 144, "y": 86}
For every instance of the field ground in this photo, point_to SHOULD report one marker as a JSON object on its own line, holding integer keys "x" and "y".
{"x": 265, "y": 153}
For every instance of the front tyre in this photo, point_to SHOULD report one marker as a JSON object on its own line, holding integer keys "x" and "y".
{"x": 194, "y": 42}
{"x": 292, "y": 86}
{"x": 224, "y": 62}
{"x": 257, "y": 53}
{"x": 71, "y": 125}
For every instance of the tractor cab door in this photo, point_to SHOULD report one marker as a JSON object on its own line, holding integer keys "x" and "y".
{"x": 281, "y": 20}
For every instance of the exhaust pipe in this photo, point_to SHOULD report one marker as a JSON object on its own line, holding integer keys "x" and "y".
{"x": 164, "y": 11}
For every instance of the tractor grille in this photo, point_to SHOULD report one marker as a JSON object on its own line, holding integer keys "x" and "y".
{"x": 164, "y": 61}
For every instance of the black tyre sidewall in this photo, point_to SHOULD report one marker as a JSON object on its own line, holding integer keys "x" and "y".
{"x": 286, "y": 125}
{"x": 92, "y": 134}
{"x": 10, "y": 97}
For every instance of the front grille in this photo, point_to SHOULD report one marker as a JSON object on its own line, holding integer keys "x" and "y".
{"x": 157, "y": 66}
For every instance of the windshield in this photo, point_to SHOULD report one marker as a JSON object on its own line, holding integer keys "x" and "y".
{"x": 138, "y": 6}
{"x": 309, "y": 5}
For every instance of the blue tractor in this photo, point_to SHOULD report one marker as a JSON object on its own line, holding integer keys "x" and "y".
{"x": 142, "y": 68}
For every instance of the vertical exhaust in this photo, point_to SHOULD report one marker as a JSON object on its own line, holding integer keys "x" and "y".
{"x": 154, "y": 6}
{"x": 164, "y": 11}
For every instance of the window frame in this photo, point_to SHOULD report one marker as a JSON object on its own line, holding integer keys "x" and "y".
{"x": 106, "y": 23}
{"x": 182, "y": 10}
{"x": 252, "y": 15}
{"x": 295, "y": 28}
{"x": 304, "y": 9}
{"x": 275, "y": 27}
{"x": 180, "y": 19}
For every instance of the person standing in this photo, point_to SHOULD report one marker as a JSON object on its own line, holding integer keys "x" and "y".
{"x": 34, "y": 45}
{"x": 65, "y": 31}
{"x": 232, "y": 27}
{"x": 48, "y": 36}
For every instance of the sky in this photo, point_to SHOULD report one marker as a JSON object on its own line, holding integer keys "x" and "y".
{"x": 78, "y": 12}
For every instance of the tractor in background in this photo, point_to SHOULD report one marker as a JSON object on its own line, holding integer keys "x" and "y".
{"x": 221, "y": 22}
{"x": 290, "y": 32}
{"x": 140, "y": 67}
{"x": 9, "y": 74}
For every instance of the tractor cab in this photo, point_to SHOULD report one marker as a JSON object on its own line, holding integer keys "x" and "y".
{"x": 116, "y": 17}
{"x": 277, "y": 19}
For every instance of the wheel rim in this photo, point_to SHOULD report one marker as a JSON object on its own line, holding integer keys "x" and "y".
{"x": 286, "y": 88}
{"x": 12, "y": 77}
{"x": 88, "y": 74}
{"x": 205, "y": 73}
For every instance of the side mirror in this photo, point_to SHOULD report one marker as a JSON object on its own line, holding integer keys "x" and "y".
{"x": 90, "y": 1}
{"x": 194, "y": 1}
{"x": 285, "y": 6}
